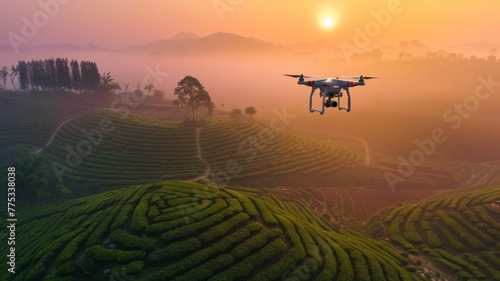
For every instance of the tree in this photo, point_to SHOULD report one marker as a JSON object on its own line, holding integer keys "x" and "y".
{"x": 211, "y": 108}
{"x": 90, "y": 75}
{"x": 158, "y": 94}
{"x": 22, "y": 68}
{"x": 4, "y": 73}
{"x": 50, "y": 81}
{"x": 191, "y": 93}
{"x": 115, "y": 86}
{"x": 76, "y": 78}
{"x": 63, "y": 77}
{"x": 149, "y": 87}
{"x": 63, "y": 190}
{"x": 250, "y": 111}
{"x": 106, "y": 79}
{"x": 108, "y": 84}
{"x": 14, "y": 72}
{"x": 31, "y": 176}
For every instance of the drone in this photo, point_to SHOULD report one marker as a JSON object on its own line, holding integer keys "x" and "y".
{"x": 331, "y": 88}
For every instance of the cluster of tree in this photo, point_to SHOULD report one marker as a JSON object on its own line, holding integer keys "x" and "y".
{"x": 53, "y": 74}
{"x": 150, "y": 87}
{"x": 34, "y": 182}
{"x": 378, "y": 54}
{"x": 4, "y": 74}
{"x": 249, "y": 110}
{"x": 192, "y": 94}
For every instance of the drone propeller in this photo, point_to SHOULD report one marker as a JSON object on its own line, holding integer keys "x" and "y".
{"x": 299, "y": 76}
{"x": 364, "y": 77}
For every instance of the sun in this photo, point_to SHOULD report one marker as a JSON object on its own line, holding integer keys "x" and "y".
{"x": 328, "y": 22}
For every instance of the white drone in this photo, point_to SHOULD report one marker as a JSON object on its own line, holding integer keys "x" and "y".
{"x": 330, "y": 88}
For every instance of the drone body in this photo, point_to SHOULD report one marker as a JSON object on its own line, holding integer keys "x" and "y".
{"x": 330, "y": 88}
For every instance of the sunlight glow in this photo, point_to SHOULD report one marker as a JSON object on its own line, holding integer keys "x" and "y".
{"x": 328, "y": 22}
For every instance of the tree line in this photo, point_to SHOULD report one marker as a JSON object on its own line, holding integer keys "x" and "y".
{"x": 52, "y": 74}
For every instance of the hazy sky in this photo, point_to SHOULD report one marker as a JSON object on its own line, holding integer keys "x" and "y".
{"x": 116, "y": 23}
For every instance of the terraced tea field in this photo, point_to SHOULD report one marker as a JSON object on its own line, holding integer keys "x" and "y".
{"x": 348, "y": 204}
{"x": 246, "y": 150}
{"x": 108, "y": 147}
{"x": 194, "y": 231}
{"x": 458, "y": 232}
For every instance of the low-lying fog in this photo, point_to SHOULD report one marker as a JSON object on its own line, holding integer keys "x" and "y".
{"x": 427, "y": 89}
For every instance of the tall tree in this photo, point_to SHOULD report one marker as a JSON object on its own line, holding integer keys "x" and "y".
{"x": 67, "y": 77}
{"x": 4, "y": 73}
{"x": 22, "y": 68}
{"x": 51, "y": 78}
{"x": 191, "y": 93}
{"x": 63, "y": 78}
{"x": 84, "y": 67}
{"x": 90, "y": 75}
{"x": 76, "y": 77}
{"x": 14, "y": 72}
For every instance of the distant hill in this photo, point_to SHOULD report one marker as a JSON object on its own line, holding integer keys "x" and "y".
{"x": 5, "y": 48}
{"x": 60, "y": 48}
{"x": 186, "y": 43}
{"x": 181, "y": 36}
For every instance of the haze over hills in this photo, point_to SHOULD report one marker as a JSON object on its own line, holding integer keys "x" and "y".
{"x": 224, "y": 43}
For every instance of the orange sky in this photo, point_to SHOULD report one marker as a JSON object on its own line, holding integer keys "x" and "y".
{"x": 116, "y": 23}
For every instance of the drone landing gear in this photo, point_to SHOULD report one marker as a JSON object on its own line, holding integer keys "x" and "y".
{"x": 328, "y": 102}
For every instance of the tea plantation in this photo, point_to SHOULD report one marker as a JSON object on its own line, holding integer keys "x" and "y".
{"x": 178, "y": 230}
{"x": 458, "y": 232}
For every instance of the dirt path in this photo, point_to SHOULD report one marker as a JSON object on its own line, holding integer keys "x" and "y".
{"x": 367, "y": 151}
{"x": 55, "y": 132}
{"x": 199, "y": 154}
{"x": 367, "y": 160}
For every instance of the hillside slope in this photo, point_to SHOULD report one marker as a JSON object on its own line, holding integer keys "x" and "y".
{"x": 194, "y": 231}
{"x": 109, "y": 147}
{"x": 458, "y": 232}
{"x": 254, "y": 153}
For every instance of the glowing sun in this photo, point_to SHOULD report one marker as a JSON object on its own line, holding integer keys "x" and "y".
{"x": 328, "y": 22}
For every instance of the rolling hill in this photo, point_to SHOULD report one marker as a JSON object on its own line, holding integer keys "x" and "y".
{"x": 458, "y": 232}
{"x": 178, "y": 230}
{"x": 106, "y": 146}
